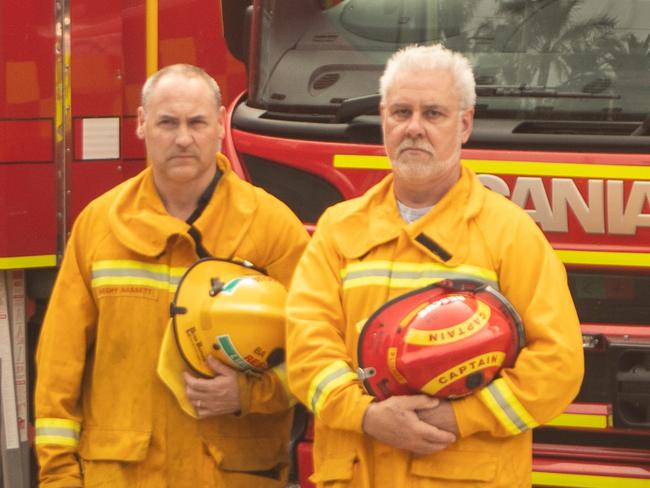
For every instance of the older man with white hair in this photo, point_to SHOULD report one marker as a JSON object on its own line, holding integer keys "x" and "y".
{"x": 430, "y": 219}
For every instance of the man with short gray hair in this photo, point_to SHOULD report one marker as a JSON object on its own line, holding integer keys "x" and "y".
{"x": 104, "y": 417}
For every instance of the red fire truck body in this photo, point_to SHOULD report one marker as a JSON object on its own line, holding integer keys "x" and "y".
{"x": 71, "y": 77}
{"x": 562, "y": 127}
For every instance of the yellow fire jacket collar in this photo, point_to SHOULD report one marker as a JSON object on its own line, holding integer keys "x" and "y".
{"x": 140, "y": 221}
{"x": 373, "y": 219}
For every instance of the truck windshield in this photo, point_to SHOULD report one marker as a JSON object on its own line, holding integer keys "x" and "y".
{"x": 532, "y": 59}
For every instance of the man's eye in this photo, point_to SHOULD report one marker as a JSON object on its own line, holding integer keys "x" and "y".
{"x": 432, "y": 114}
{"x": 166, "y": 123}
{"x": 401, "y": 113}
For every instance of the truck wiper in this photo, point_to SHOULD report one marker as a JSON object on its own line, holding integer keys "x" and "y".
{"x": 353, "y": 107}
{"x": 369, "y": 104}
{"x": 536, "y": 92}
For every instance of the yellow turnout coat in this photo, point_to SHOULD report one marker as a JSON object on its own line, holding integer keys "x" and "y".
{"x": 363, "y": 254}
{"x": 103, "y": 417}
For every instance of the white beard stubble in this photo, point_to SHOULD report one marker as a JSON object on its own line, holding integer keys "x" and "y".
{"x": 430, "y": 170}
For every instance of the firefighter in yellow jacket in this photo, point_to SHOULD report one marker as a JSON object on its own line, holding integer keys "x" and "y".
{"x": 428, "y": 220}
{"x": 103, "y": 416}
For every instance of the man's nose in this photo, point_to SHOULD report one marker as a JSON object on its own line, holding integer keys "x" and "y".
{"x": 183, "y": 135}
{"x": 415, "y": 128}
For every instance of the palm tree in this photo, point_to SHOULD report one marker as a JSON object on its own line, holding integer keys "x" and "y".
{"x": 627, "y": 56}
{"x": 552, "y": 30}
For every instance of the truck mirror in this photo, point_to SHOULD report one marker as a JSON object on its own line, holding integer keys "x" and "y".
{"x": 236, "y": 16}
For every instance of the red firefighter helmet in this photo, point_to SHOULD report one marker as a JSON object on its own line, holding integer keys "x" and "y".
{"x": 446, "y": 340}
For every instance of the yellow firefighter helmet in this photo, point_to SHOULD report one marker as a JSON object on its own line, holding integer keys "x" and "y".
{"x": 227, "y": 309}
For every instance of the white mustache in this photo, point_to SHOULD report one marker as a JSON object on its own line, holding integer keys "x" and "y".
{"x": 417, "y": 144}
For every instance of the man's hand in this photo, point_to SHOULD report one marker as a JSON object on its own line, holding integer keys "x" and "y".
{"x": 395, "y": 421}
{"x": 441, "y": 417}
{"x": 214, "y": 396}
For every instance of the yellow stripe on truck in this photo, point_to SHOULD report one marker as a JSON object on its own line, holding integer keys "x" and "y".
{"x": 605, "y": 258}
{"x": 587, "y": 421}
{"x": 518, "y": 168}
{"x": 24, "y": 262}
{"x": 567, "y": 170}
{"x": 587, "y": 481}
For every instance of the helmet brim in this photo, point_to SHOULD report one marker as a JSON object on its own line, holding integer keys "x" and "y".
{"x": 170, "y": 370}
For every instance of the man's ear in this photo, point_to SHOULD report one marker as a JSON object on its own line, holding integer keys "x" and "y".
{"x": 382, "y": 112}
{"x": 139, "y": 130}
{"x": 467, "y": 124}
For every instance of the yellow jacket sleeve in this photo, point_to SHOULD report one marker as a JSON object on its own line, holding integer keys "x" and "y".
{"x": 319, "y": 365}
{"x": 549, "y": 369}
{"x": 266, "y": 393}
{"x": 66, "y": 334}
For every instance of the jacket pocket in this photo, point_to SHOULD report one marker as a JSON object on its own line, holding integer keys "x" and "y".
{"x": 247, "y": 454}
{"x": 456, "y": 465}
{"x": 337, "y": 469}
{"x": 113, "y": 445}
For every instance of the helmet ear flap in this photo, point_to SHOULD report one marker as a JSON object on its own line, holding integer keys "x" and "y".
{"x": 447, "y": 339}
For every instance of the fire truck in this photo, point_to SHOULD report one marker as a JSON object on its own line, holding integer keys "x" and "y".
{"x": 70, "y": 78}
{"x": 562, "y": 128}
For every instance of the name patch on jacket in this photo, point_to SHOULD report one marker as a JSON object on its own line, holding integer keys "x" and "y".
{"x": 129, "y": 278}
{"x": 126, "y": 291}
